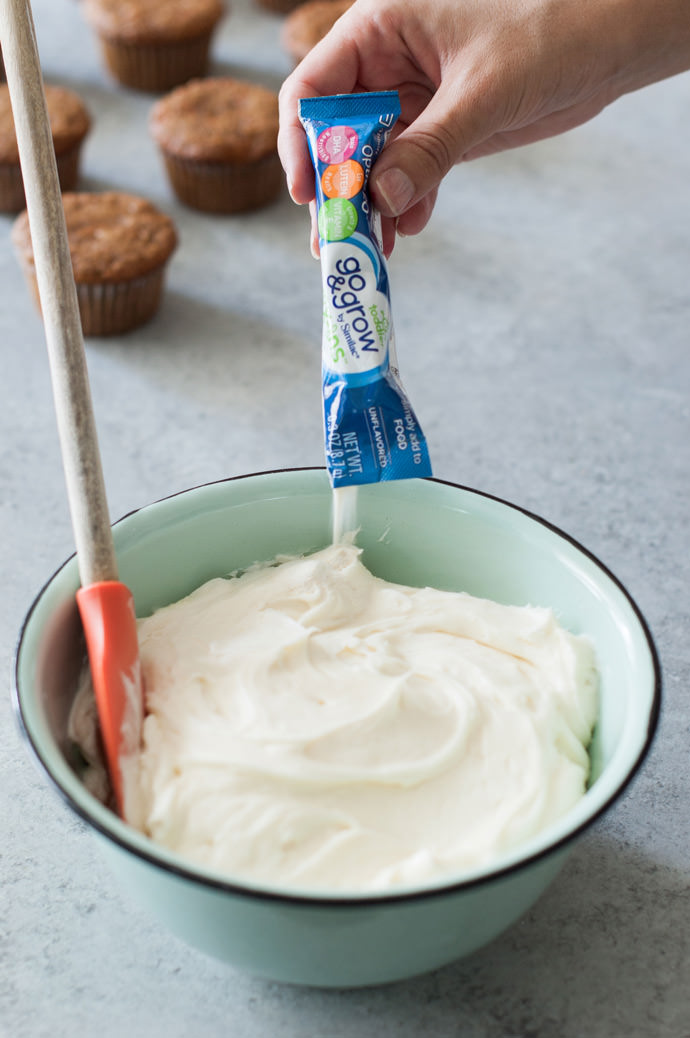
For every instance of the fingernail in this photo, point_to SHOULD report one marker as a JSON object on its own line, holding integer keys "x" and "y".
{"x": 313, "y": 230}
{"x": 396, "y": 189}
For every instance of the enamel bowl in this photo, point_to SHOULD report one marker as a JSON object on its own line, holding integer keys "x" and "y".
{"x": 419, "y": 532}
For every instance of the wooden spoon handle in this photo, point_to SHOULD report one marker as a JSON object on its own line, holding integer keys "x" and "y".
{"x": 57, "y": 292}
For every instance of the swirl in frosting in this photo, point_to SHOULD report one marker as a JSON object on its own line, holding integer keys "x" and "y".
{"x": 312, "y": 725}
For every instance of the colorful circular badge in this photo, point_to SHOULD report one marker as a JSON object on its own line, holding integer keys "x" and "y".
{"x": 337, "y": 219}
{"x": 336, "y": 143}
{"x": 344, "y": 180}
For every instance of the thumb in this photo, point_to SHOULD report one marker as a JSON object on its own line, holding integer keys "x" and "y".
{"x": 414, "y": 164}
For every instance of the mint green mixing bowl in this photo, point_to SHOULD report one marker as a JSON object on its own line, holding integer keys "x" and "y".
{"x": 420, "y": 532}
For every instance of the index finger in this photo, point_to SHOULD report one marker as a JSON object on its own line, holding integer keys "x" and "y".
{"x": 331, "y": 67}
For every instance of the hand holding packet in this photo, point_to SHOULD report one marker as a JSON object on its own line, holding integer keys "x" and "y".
{"x": 371, "y": 432}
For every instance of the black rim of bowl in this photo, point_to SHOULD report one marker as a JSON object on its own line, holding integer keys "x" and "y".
{"x": 346, "y": 900}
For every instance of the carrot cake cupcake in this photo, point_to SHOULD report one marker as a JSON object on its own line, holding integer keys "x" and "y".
{"x": 120, "y": 245}
{"x": 154, "y": 45}
{"x": 308, "y": 24}
{"x": 69, "y": 124}
{"x": 218, "y": 138}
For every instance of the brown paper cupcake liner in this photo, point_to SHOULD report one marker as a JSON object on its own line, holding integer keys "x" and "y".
{"x": 224, "y": 187}
{"x": 156, "y": 67}
{"x": 279, "y": 6}
{"x": 112, "y": 308}
{"x": 12, "y": 198}
{"x": 68, "y": 167}
{"x": 11, "y": 188}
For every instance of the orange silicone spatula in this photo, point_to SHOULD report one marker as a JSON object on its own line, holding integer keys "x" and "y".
{"x": 105, "y": 604}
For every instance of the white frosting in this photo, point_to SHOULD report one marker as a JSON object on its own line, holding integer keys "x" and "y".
{"x": 310, "y": 724}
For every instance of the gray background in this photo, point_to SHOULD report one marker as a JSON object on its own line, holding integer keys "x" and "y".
{"x": 542, "y": 324}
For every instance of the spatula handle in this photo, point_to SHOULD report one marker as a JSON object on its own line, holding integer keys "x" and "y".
{"x": 57, "y": 292}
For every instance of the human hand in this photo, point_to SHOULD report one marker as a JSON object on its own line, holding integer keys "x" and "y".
{"x": 476, "y": 77}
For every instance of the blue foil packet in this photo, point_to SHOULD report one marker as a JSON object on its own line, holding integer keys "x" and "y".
{"x": 371, "y": 432}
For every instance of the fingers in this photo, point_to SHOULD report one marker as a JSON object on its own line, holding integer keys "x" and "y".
{"x": 415, "y": 219}
{"x": 313, "y": 230}
{"x": 294, "y": 156}
{"x": 329, "y": 68}
{"x": 388, "y": 229}
{"x": 414, "y": 214}
{"x": 406, "y": 177}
